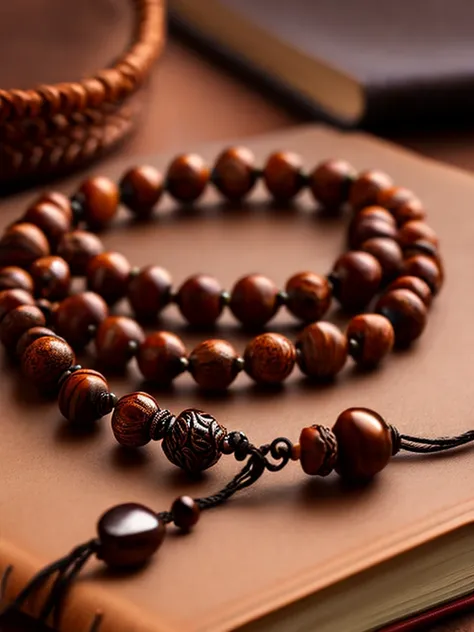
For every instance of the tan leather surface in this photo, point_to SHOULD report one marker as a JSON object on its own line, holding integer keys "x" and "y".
{"x": 290, "y": 535}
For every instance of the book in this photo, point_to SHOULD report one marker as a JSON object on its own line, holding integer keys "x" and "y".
{"x": 291, "y": 552}
{"x": 355, "y": 63}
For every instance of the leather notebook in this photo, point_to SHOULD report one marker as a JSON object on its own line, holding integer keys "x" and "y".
{"x": 292, "y": 552}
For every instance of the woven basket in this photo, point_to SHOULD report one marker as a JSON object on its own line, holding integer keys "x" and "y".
{"x": 54, "y": 129}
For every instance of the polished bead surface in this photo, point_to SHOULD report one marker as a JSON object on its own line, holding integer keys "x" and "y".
{"x": 129, "y": 535}
{"x": 330, "y": 182}
{"x": 84, "y": 397}
{"x": 414, "y": 231}
{"x": 149, "y": 291}
{"x": 77, "y": 248}
{"x": 50, "y": 219}
{"x": 364, "y": 228}
{"x": 269, "y": 358}
{"x": 9, "y": 299}
{"x": 374, "y": 212}
{"x": 427, "y": 269}
{"x": 200, "y": 300}
{"x": 141, "y": 188}
{"x": 371, "y": 338}
{"x": 367, "y": 187}
{"x": 254, "y": 300}
{"x": 100, "y": 197}
{"x": 322, "y": 350}
{"x": 117, "y": 340}
{"x": 411, "y": 210}
{"x": 21, "y": 244}
{"x": 77, "y": 315}
{"x": 416, "y": 285}
{"x": 234, "y": 173}
{"x": 407, "y": 313}
{"x": 30, "y": 336}
{"x": 309, "y": 296}
{"x": 45, "y": 360}
{"x": 364, "y": 443}
{"x": 388, "y": 253}
{"x": 392, "y": 198}
{"x": 161, "y": 357}
{"x": 186, "y": 512}
{"x": 13, "y": 277}
{"x": 58, "y": 199}
{"x": 283, "y": 175}
{"x": 213, "y": 364}
{"x": 51, "y": 277}
{"x": 318, "y": 450}
{"x": 17, "y": 322}
{"x": 108, "y": 275}
{"x": 357, "y": 277}
{"x": 132, "y": 419}
{"x": 187, "y": 177}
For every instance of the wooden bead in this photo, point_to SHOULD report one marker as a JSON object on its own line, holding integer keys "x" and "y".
{"x": 254, "y": 300}
{"x": 59, "y": 200}
{"x": 364, "y": 442}
{"x": 407, "y": 313}
{"x": 269, "y": 358}
{"x": 392, "y": 198}
{"x": 141, "y": 188}
{"x": 368, "y": 228}
{"x": 13, "y": 277}
{"x": 17, "y": 321}
{"x": 161, "y": 357}
{"x": 367, "y": 187}
{"x": 308, "y": 296}
{"x": 108, "y": 275}
{"x": 374, "y": 212}
{"x": 330, "y": 182}
{"x": 22, "y": 244}
{"x": 371, "y": 338}
{"x": 76, "y": 317}
{"x": 185, "y": 511}
{"x": 100, "y": 198}
{"x": 356, "y": 276}
{"x": 213, "y": 364}
{"x": 30, "y": 336}
{"x": 187, "y": 177}
{"x": 50, "y": 219}
{"x": 10, "y": 299}
{"x": 200, "y": 300}
{"x": 149, "y": 291}
{"x": 84, "y": 397}
{"x": 388, "y": 253}
{"x": 283, "y": 175}
{"x": 132, "y": 419}
{"x": 129, "y": 535}
{"x": 117, "y": 340}
{"x": 45, "y": 360}
{"x": 321, "y": 350}
{"x": 416, "y": 231}
{"x": 416, "y": 285}
{"x": 426, "y": 269}
{"x": 411, "y": 210}
{"x": 51, "y": 277}
{"x": 318, "y": 450}
{"x": 234, "y": 173}
{"x": 77, "y": 248}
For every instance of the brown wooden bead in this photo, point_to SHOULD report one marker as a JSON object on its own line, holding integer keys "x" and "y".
{"x": 185, "y": 511}
{"x": 388, "y": 253}
{"x": 367, "y": 187}
{"x": 407, "y": 313}
{"x": 45, "y": 360}
{"x": 357, "y": 276}
{"x": 129, "y": 535}
{"x": 411, "y": 210}
{"x": 416, "y": 285}
{"x": 269, "y": 358}
{"x": 51, "y": 277}
{"x": 161, "y": 357}
{"x": 149, "y": 291}
{"x": 141, "y": 188}
{"x": 427, "y": 269}
{"x": 254, "y": 300}
{"x": 416, "y": 231}
{"x": 234, "y": 173}
{"x": 374, "y": 212}
{"x": 108, "y": 275}
{"x": 392, "y": 198}
{"x": 59, "y": 200}
{"x": 309, "y": 296}
{"x": 364, "y": 442}
{"x": 200, "y": 300}
{"x": 117, "y": 340}
{"x": 100, "y": 197}
{"x": 50, "y": 219}
{"x": 213, "y": 364}
{"x": 318, "y": 450}
{"x": 17, "y": 321}
{"x": 22, "y": 244}
{"x": 187, "y": 177}
{"x": 77, "y": 315}
{"x": 322, "y": 350}
{"x": 30, "y": 336}
{"x": 84, "y": 397}
{"x": 330, "y": 182}
{"x": 10, "y": 299}
{"x": 283, "y": 175}
{"x": 132, "y": 419}
{"x": 371, "y": 338}
{"x": 77, "y": 248}
{"x": 363, "y": 229}
{"x": 13, "y": 277}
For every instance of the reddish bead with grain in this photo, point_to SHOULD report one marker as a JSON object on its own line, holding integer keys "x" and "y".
{"x": 30, "y": 336}
{"x": 366, "y": 188}
{"x": 330, "y": 183}
{"x": 77, "y": 248}
{"x": 13, "y": 277}
{"x": 364, "y": 228}
{"x": 149, "y": 291}
{"x": 356, "y": 277}
{"x": 85, "y": 397}
{"x": 373, "y": 212}
{"x": 414, "y": 231}
{"x": 117, "y": 340}
{"x": 411, "y": 210}
{"x": 318, "y": 450}
{"x": 269, "y": 358}
{"x": 321, "y": 350}
{"x": 51, "y": 277}
{"x": 161, "y": 357}
{"x": 388, "y": 253}
{"x": 414, "y": 284}
{"x": 59, "y": 200}
{"x": 308, "y": 296}
{"x": 234, "y": 173}
{"x": 76, "y": 318}
{"x": 17, "y": 322}
{"x": 393, "y": 198}
{"x": 141, "y": 188}
{"x": 22, "y": 244}
{"x": 50, "y": 219}
{"x": 100, "y": 199}
{"x": 132, "y": 418}
{"x": 10, "y": 299}
{"x": 108, "y": 275}
{"x": 427, "y": 269}
{"x": 214, "y": 364}
{"x": 283, "y": 175}
{"x": 254, "y": 300}
{"x": 407, "y": 313}
{"x": 45, "y": 361}
{"x": 200, "y": 300}
{"x": 370, "y": 338}
{"x": 187, "y": 177}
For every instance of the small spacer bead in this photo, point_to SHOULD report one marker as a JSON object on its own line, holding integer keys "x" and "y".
{"x": 282, "y": 297}
{"x": 160, "y": 424}
{"x": 67, "y": 373}
{"x": 225, "y": 298}
{"x": 354, "y": 348}
{"x": 77, "y": 207}
{"x": 295, "y": 452}
{"x": 239, "y": 364}
{"x": 233, "y": 441}
{"x": 185, "y": 511}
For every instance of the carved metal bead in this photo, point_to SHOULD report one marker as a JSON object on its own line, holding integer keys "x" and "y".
{"x": 318, "y": 450}
{"x": 193, "y": 441}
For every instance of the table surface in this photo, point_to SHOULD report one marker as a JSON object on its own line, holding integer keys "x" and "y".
{"x": 192, "y": 100}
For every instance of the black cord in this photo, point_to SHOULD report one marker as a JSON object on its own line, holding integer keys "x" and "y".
{"x": 423, "y": 445}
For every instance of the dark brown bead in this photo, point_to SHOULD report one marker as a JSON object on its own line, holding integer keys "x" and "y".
{"x": 392, "y": 198}
{"x": 213, "y": 364}
{"x": 132, "y": 419}
{"x": 45, "y": 360}
{"x": 407, "y": 313}
{"x": 22, "y": 244}
{"x": 283, "y": 175}
{"x": 269, "y": 358}
{"x": 414, "y": 231}
{"x": 77, "y": 315}
{"x": 322, "y": 350}
{"x": 129, "y": 535}
{"x": 141, "y": 188}
{"x": 77, "y": 248}
{"x": 357, "y": 276}
{"x": 363, "y": 229}
{"x": 51, "y": 277}
{"x": 388, "y": 253}
{"x": 161, "y": 357}
{"x": 108, "y": 275}
{"x": 200, "y": 300}
{"x": 364, "y": 442}
{"x": 100, "y": 197}
{"x": 47, "y": 308}
{"x": 185, "y": 511}
{"x": 254, "y": 300}
{"x": 17, "y": 321}
{"x": 426, "y": 269}
{"x": 193, "y": 441}
{"x": 411, "y": 210}
{"x": 309, "y": 296}
{"x": 371, "y": 338}
{"x": 367, "y": 187}
{"x": 318, "y": 450}
{"x": 187, "y": 177}
{"x": 117, "y": 341}
{"x": 10, "y": 299}
{"x": 149, "y": 291}
{"x": 374, "y": 212}
{"x": 12, "y": 277}
{"x": 59, "y": 200}
{"x": 50, "y": 219}
{"x": 416, "y": 285}
{"x": 234, "y": 173}
{"x": 330, "y": 182}
{"x": 30, "y": 336}
{"x": 84, "y": 397}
